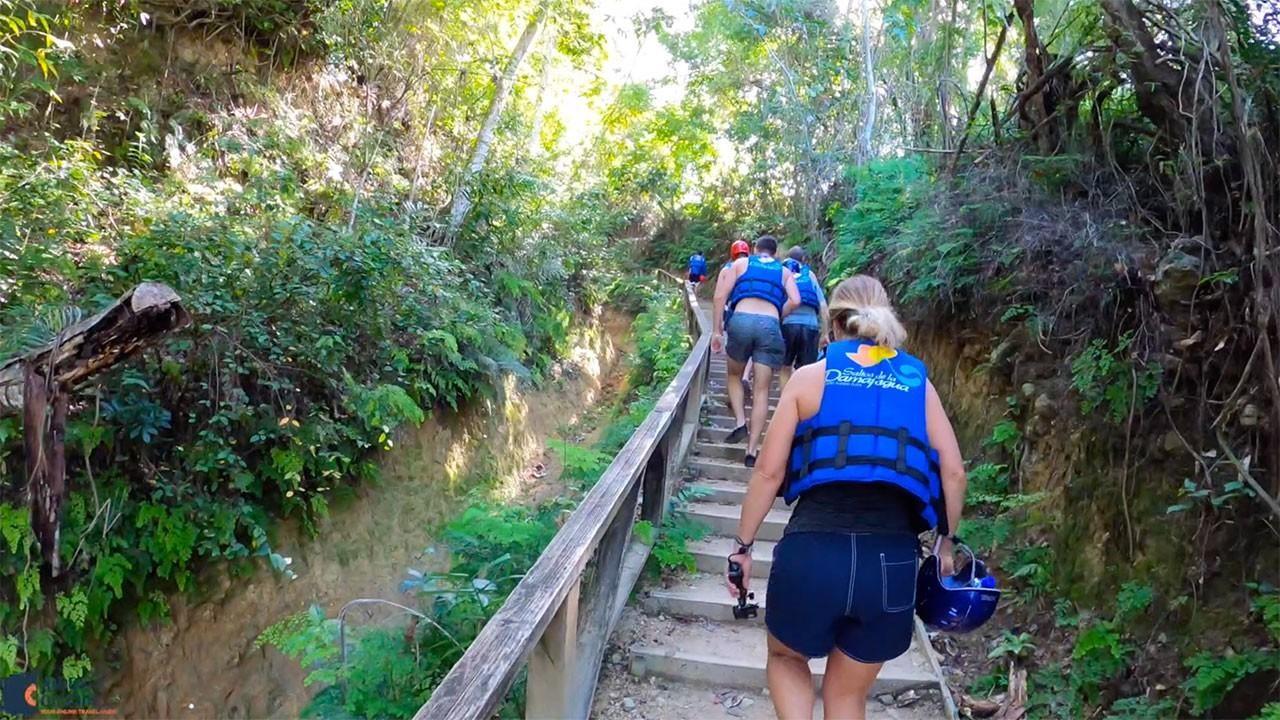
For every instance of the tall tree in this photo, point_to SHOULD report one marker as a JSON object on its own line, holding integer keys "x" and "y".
{"x": 869, "y": 65}
{"x": 484, "y": 140}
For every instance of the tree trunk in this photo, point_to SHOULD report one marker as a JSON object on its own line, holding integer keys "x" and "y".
{"x": 982, "y": 88}
{"x": 1173, "y": 96}
{"x": 1037, "y": 110}
{"x": 869, "y": 64}
{"x": 46, "y": 459}
{"x": 540, "y": 107}
{"x": 484, "y": 140}
{"x": 944, "y": 79}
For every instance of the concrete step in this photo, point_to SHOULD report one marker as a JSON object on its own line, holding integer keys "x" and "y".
{"x": 710, "y": 433}
{"x": 725, "y": 451}
{"x": 720, "y": 469}
{"x": 702, "y": 595}
{"x": 725, "y": 492}
{"x": 720, "y": 403}
{"x": 711, "y": 553}
{"x": 732, "y": 654}
{"x": 719, "y": 418}
{"x": 686, "y": 701}
{"x": 720, "y": 390}
{"x": 723, "y": 519}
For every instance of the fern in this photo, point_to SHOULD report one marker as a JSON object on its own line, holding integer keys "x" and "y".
{"x": 1213, "y": 675}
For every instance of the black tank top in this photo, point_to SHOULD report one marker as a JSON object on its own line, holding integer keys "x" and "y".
{"x": 855, "y": 508}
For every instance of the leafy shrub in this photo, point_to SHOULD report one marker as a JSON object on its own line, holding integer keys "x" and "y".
{"x": 322, "y": 326}
{"x": 582, "y": 465}
{"x": 1104, "y": 377}
{"x": 662, "y": 341}
{"x": 1141, "y": 708}
{"x": 1213, "y": 674}
{"x": 671, "y": 552}
{"x": 1012, "y": 645}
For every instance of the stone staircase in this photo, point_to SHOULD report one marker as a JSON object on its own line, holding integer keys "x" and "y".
{"x": 678, "y": 652}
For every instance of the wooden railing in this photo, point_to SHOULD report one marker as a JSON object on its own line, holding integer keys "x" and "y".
{"x": 559, "y": 618}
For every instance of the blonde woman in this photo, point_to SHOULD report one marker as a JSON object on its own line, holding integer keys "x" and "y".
{"x": 861, "y": 440}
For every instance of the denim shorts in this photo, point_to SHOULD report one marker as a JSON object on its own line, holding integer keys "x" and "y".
{"x": 852, "y": 591}
{"x": 755, "y": 337}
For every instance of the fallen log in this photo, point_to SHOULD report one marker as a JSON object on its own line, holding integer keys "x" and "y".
{"x": 35, "y": 382}
{"x": 138, "y": 318}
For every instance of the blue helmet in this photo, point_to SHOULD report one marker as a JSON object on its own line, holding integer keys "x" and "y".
{"x": 792, "y": 265}
{"x": 960, "y": 603}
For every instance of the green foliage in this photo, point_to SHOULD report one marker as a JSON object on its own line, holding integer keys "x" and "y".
{"x": 1192, "y": 494}
{"x": 1270, "y": 712}
{"x": 1012, "y": 645}
{"x": 994, "y": 681}
{"x": 1133, "y": 599}
{"x": 889, "y": 193}
{"x": 1109, "y": 378}
{"x": 1049, "y": 695}
{"x": 985, "y": 533}
{"x": 391, "y": 672}
{"x": 1032, "y": 568}
{"x": 325, "y": 319}
{"x": 1266, "y": 605}
{"x": 1141, "y": 707}
{"x": 1101, "y": 652}
{"x": 1005, "y": 435}
{"x": 582, "y": 465}
{"x": 671, "y": 550}
{"x": 662, "y": 341}
{"x": 1213, "y": 674}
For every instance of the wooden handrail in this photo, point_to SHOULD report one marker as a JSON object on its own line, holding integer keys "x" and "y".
{"x": 560, "y": 615}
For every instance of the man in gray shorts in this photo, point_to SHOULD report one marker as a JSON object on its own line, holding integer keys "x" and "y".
{"x": 759, "y": 292}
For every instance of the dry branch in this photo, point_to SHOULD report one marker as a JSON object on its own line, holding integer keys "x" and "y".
{"x": 137, "y": 319}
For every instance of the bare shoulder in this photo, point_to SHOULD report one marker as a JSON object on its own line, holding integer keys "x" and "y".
{"x": 813, "y": 373}
{"x": 807, "y": 379}
{"x": 805, "y": 388}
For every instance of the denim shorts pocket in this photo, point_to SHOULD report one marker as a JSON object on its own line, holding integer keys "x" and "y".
{"x": 898, "y": 583}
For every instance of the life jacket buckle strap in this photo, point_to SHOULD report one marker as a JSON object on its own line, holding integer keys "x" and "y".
{"x": 806, "y": 452}
{"x": 842, "y": 444}
{"x": 902, "y": 449}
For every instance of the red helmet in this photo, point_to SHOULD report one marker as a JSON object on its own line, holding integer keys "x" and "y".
{"x": 738, "y": 249}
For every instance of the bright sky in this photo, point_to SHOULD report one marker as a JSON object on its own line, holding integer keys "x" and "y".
{"x": 643, "y": 59}
{"x": 630, "y": 59}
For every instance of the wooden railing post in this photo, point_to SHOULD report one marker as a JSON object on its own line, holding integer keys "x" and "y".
{"x": 553, "y": 666}
{"x": 654, "y": 482}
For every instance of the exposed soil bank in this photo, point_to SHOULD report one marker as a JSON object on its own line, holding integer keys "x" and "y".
{"x": 204, "y": 663}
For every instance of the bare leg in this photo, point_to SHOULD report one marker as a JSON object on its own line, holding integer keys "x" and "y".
{"x": 737, "y": 397}
{"x": 845, "y": 687}
{"x": 784, "y": 375}
{"x": 760, "y": 381}
{"x": 790, "y": 684}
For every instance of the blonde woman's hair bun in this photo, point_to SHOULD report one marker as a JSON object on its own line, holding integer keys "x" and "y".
{"x": 860, "y": 307}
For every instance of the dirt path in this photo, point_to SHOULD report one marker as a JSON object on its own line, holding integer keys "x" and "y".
{"x": 204, "y": 664}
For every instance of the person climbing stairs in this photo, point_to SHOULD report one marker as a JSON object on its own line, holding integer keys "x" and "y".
{"x": 678, "y": 651}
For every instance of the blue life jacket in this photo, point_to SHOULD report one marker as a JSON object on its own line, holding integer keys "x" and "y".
{"x": 870, "y": 428}
{"x": 697, "y": 265}
{"x": 761, "y": 280}
{"x": 808, "y": 288}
